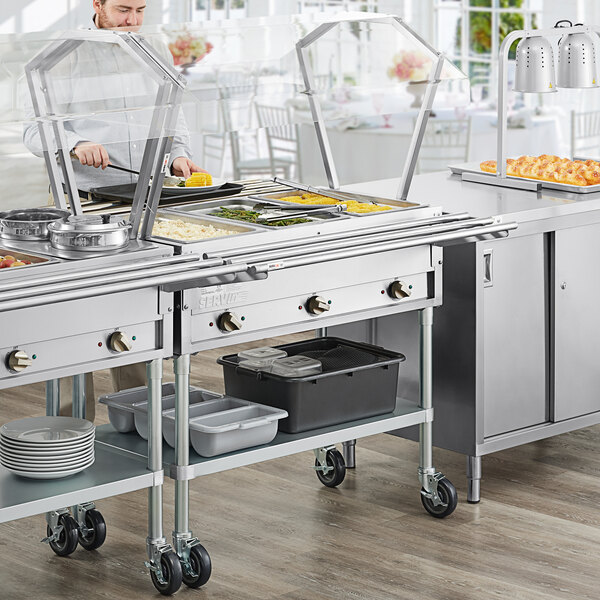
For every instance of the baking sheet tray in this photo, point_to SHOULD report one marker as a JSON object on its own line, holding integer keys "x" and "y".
{"x": 396, "y": 205}
{"x": 564, "y": 187}
{"x": 124, "y": 193}
{"x": 208, "y": 208}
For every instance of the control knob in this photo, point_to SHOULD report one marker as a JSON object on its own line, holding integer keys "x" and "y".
{"x": 18, "y": 361}
{"x": 120, "y": 342}
{"x": 398, "y": 290}
{"x": 229, "y": 321}
{"x": 317, "y": 305}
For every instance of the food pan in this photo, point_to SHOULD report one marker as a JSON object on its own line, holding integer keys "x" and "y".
{"x": 121, "y": 404}
{"x": 24, "y": 256}
{"x": 358, "y": 381}
{"x": 210, "y": 208}
{"x": 227, "y": 424}
{"x": 396, "y": 205}
{"x": 199, "y": 219}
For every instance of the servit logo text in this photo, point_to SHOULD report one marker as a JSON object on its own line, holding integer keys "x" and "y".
{"x": 221, "y": 297}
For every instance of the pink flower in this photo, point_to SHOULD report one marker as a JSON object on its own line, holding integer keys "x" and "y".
{"x": 402, "y": 72}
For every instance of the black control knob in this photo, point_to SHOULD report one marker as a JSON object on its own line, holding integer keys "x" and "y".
{"x": 316, "y": 305}
{"x": 229, "y": 321}
{"x": 399, "y": 290}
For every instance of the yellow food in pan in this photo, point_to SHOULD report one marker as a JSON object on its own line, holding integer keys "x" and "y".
{"x": 198, "y": 180}
{"x": 550, "y": 168}
{"x": 353, "y": 205}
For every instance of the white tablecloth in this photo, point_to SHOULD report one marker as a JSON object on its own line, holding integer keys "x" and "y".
{"x": 371, "y": 151}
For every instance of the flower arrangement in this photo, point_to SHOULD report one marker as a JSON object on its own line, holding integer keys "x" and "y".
{"x": 409, "y": 66}
{"x": 188, "y": 48}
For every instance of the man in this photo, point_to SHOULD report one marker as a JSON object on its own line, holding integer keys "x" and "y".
{"x": 127, "y": 15}
{"x": 113, "y": 83}
{"x": 111, "y": 102}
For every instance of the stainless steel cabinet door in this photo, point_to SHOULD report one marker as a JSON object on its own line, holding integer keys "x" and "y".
{"x": 512, "y": 333}
{"x": 576, "y": 322}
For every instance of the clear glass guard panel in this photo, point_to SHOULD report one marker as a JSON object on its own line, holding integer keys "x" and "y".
{"x": 243, "y": 113}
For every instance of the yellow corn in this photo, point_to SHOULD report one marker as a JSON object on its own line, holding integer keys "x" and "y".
{"x": 198, "y": 180}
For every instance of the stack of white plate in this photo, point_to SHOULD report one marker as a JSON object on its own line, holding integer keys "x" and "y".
{"x": 47, "y": 447}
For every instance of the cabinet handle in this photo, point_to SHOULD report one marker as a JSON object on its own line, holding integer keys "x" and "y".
{"x": 488, "y": 268}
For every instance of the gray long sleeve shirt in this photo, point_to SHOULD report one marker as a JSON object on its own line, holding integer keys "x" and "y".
{"x": 109, "y": 99}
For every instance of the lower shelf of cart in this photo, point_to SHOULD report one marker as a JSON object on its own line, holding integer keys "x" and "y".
{"x": 112, "y": 473}
{"x": 405, "y": 414}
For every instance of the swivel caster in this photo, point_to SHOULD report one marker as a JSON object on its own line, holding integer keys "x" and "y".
{"x": 63, "y": 537}
{"x": 330, "y": 466}
{"x": 446, "y": 501}
{"x": 197, "y": 569}
{"x": 167, "y": 576}
{"x": 93, "y": 534}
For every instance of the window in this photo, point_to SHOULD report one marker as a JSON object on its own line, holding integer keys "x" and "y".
{"x": 219, "y": 9}
{"x": 337, "y": 5}
{"x": 470, "y": 32}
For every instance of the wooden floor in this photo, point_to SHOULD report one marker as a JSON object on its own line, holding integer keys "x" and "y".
{"x": 274, "y": 532}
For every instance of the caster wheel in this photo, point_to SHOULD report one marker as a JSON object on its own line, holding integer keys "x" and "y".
{"x": 448, "y": 496}
{"x": 94, "y": 537}
{"x": 171, "y": 578}
{"x": 67, "y": 540}
{"x": 200, "y": 565}
{"x": 335, "y": 476}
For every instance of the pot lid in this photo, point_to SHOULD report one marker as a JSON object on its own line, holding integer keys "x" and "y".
{"x": 33, "y": 215}
{"x": 90, "y": 223}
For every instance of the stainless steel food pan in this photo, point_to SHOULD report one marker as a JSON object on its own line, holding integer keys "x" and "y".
{"x": 396, "y": 205}
{"x": 177, "y": 213}
{"x": 24, "y": 256}
{"x": 209, "y": 209}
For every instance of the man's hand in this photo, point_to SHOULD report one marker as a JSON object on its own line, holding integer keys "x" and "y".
{"x": 93, "y": 155}
{"x": 184, "y": 167}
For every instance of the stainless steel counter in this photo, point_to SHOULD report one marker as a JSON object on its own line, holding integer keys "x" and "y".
{"x": 479, "y": 200}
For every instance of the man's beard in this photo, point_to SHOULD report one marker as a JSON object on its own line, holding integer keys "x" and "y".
{"x": 103, "y": 22}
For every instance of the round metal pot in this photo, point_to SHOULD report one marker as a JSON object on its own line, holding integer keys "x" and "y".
{"x": 29, "y": 223}
{"x": 90, "y": 233}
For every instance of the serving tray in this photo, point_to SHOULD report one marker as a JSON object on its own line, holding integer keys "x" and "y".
{"x": 565, "y": 187}
{"x": 125, "y": 192}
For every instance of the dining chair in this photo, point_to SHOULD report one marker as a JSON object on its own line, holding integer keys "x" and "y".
{"x": 282, "y": 138}
{"x": 445, "y": 142}
{"x": 585, "y": 134}
{"x": 240, "y": 135}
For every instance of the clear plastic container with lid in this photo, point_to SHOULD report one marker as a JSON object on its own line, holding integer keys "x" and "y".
{"x": 296, "y": 366}
{"x": 260, "y": 359}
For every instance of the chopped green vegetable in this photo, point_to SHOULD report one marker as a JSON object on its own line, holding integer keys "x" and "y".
{"x": 251, "y": 216}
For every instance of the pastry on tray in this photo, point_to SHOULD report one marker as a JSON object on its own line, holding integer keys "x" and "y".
{"x": 550, "y": 168}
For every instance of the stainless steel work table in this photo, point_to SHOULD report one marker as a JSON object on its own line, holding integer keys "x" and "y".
{"x": 517, "y": 338}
